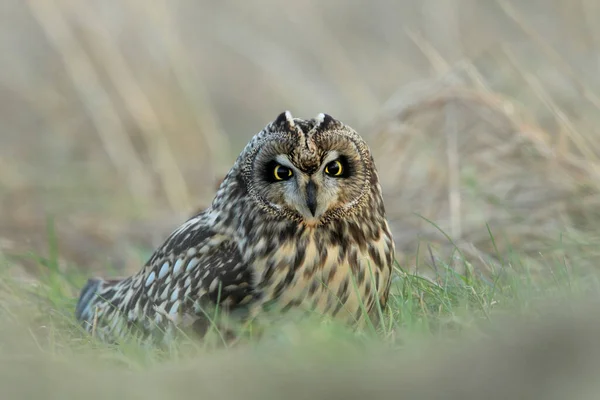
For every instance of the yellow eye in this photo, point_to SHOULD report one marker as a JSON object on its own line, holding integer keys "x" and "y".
{"x": 334, "y": 168}
{"x": 282, "y": 173}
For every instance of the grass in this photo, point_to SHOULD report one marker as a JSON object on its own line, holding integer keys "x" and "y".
{"x": 42, "y": 345}
{"x": 420, "y": 310}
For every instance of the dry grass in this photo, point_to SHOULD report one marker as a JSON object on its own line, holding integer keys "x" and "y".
{"x": 484, "y": 172}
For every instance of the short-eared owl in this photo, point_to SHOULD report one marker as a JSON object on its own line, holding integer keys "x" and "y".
{"x": 298, "y": 222}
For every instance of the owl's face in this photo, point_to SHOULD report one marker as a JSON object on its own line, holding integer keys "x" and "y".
{"x": 309, "y": 171}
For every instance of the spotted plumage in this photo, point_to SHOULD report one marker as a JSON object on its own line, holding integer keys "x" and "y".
{"x": 298, "y": 222}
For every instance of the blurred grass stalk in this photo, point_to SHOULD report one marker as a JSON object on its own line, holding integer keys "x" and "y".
{"x": 54, "y": 17}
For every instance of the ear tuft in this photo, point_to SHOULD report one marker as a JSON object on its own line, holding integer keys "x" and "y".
{"x": 325, "y": 122}
{"x": 285, "y": 120}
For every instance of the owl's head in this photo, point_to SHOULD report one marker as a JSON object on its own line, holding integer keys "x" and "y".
{"x": 308, "y": 171}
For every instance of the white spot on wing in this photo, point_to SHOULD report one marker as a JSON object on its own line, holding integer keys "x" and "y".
{"x": 128, "y": 296}
{"x": 174, "y": 308}
{"x": 136, "y": 282}
{"x": 191, "y": 264}
{"x": 163, "y": 270}
{"x": 213, "y": 285}
{"x": 165, "y": 293}
{"x": 177, "y": 266}
{"x": 150, "y": 279}
{"x": 175, "y": 294}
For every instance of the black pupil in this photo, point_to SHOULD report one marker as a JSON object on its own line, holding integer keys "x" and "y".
{"x": 283, "y": 172}
{"x": 334, "y": 168}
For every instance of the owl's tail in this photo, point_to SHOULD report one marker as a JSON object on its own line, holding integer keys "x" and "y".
{"x": 88, "y": 298}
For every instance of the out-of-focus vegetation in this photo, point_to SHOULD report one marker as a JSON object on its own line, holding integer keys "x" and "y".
{"x": 119, "y": 118}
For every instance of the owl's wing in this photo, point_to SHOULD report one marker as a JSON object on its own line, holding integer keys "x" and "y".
{"x": 194, "y": 270}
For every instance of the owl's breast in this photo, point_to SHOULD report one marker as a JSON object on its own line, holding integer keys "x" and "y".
{"x": 342, "y": 280}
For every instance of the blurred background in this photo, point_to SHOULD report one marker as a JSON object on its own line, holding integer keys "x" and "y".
{"x": 119, "y": 118}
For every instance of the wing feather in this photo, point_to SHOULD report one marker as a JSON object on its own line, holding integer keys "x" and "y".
{"x": 195, "y": 269}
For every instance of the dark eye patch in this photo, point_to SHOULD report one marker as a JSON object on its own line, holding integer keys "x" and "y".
{"x": 275, "y": 172}
{"x": 346, "y": 167}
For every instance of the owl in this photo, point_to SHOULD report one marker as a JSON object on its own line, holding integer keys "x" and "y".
{"x": 297, "y": 223}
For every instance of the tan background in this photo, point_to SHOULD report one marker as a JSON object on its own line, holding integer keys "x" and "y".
{"x": 117, "y": 118}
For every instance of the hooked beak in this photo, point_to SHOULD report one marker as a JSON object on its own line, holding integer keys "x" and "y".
{"x": 311, "y": 197}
